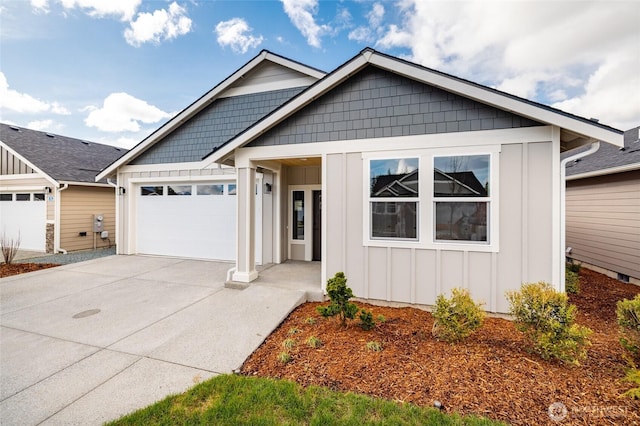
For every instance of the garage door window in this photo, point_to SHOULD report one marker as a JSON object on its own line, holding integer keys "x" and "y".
{"x": 179, "y": 189}
{"x": 151, "y": 190}
{"x": 6, "y": 197}
{"x": 23, "y": 197}
{"x": 210, "y": 189}
{"x": 232, "y": 189}
{"x": 38, "y": 197}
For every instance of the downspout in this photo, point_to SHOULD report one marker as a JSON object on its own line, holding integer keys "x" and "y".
{"x": 57, "y": 248}
{"x": 563, "y": 204}
{"x": 117, "y": 212}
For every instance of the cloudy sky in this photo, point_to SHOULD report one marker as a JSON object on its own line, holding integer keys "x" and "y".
{"x": 113, "y": 71}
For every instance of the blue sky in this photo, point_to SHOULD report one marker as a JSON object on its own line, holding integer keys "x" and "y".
{"x": 113, "y": 71}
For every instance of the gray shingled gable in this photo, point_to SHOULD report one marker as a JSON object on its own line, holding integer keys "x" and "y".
{"x": 375, "y": 103}
{"x": 213, "y": 126}
{"x": 60, "y": 157}
{"x": 608, "y": 156}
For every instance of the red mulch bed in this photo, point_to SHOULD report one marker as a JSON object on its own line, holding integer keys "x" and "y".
{"x": 6, "y": 270}
{"x": 491, "y": 374}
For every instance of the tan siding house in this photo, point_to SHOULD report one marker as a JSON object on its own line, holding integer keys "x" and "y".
{"x": 48, "y": 193}
{"x": 410, "y": 181}
{"x": 603, "y": 210}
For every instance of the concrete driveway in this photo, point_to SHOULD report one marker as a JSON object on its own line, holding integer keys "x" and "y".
{"x": 89, "y": 342}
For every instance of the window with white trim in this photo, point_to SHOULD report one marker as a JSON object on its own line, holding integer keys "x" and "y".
{"x": 394, "y": 198}
{"x": 461, "y": 197}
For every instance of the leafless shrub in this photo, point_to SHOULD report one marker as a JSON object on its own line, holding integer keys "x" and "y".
{"x": 9, "y": 247}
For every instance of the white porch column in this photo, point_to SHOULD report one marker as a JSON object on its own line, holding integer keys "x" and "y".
{"x": 245, "y": 252}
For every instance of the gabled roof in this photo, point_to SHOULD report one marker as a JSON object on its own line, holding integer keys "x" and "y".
{"x": 232, "y": 85}
{"x": 608, "y": 159}
{"x": 575, "y": 130}
{"x": 61, "y": 158}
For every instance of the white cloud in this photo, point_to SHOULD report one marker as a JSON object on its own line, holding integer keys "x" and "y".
{"x": 236, "y": 34}
{"x": 45, "y": 125}
{"x": 367, "y": 34}
{"x": 125, "y": 9}
{"x": 159, "y": 25}
{"x": 301, "y": 13}
{"x": 122, "y": 112}
{"x": 580, "y": 55}
{"x": 41, "y": 6}
{"x": 21, "y": 102}
{"x": 376, "y": 15}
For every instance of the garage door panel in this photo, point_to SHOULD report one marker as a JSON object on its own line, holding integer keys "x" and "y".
{"x": 26, "y": 219}
{"x": 195, "y": 226}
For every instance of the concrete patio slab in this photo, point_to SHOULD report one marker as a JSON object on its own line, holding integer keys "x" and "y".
{"x": 89, "y": 342}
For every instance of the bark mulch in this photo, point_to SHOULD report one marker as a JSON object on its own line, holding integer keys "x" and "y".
{"x": 6, "y": 270}
{"x": 490, "y": 374}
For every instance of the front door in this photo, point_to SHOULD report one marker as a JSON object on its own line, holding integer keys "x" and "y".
{"x": 317, "y": 225}
{"x": 305, "y": 232}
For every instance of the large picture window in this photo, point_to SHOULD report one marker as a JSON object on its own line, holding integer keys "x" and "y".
{"x": 394, "y": 198}
{"x": 461, "y": 197}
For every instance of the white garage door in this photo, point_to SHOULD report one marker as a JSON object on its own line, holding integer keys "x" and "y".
{"x": 187, "y": 220}
{"x": 24, "y": 214}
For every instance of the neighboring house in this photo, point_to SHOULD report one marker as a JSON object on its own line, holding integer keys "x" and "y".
{"x": 603, "y": 209}
{"x": 283, "y": 162}
{"x": 48, "y": 193}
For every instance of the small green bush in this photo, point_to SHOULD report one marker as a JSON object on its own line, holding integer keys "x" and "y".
{"x": 381, "y": 318}
{"x": 339, "y": 294}
{"x": 310, "y": 321}
{"x": 628, "y": 313}
{"x": 373, "y": 346}
{"x": 633, "y": 376}
{"x": 288, "y": 343}
{"x": 571, "y": 282}
{"x": 545, "y": 316}
{"x": 456, "y": 318}
{"x": 366, "y": 320}
{"x": 284, "y": 357}
{"x": 314, "y": 342}
{"x": 573, "y": 267}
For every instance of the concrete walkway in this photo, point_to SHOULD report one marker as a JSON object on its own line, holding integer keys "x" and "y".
{"x": 89, "y": 342}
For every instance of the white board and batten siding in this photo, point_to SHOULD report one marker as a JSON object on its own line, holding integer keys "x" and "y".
{"x": 417, "y": 275}
{"x": 603, "y": 222}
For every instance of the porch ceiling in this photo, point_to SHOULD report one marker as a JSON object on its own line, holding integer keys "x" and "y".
{"x": 310, "y": 161}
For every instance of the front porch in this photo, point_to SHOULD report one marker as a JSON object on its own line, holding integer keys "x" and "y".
{"x": 291, "y": 275}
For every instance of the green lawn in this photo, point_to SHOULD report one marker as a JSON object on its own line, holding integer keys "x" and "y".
{"x": 239, "y": 400}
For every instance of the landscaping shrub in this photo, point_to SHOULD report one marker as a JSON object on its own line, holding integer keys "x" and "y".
{"x": 628, "y": 313}
{"x": 456, "y": 318}
{"x": 574, "y": 267}
{"x": 9, "y": 247}
{"x": 366, "y": 320}
{"x": 545, "y": 316}
{"x": 339, "y": 294}
{"x": 571, "y": 282}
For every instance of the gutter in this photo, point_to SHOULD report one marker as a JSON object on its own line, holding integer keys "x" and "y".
{"x": 563, "y": 203}
{"x": 57, "y": 248}
{"x": 117, "y": 208}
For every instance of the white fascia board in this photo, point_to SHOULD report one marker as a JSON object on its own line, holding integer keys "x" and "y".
{"x": 73, "y": 183}
{"x": 498, "y": 100}
{"x": 323, "y": 86}
{"x": 296, "y": 66}
{"x": 30, "y": 164}
{"x": 603, "y": 172}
